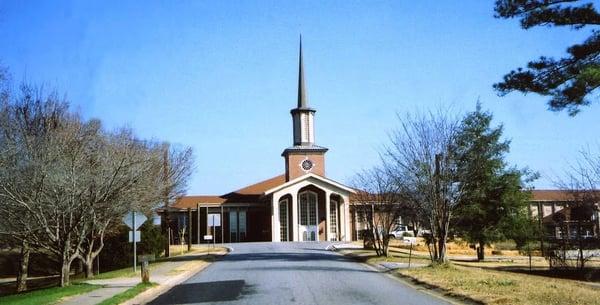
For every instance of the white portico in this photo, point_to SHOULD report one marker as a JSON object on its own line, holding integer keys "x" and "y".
{"x": 310, "y": 208}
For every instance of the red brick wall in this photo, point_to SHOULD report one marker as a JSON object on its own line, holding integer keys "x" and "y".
{"x": 293, "y": 161}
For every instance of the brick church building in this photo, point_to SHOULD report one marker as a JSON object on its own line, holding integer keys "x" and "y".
{"x": 300, "y": 204}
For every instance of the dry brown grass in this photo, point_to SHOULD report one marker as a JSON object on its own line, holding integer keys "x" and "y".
{"x": 496, "y": 287}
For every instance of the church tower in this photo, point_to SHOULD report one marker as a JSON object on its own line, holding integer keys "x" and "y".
{"x": 304, "y": 156}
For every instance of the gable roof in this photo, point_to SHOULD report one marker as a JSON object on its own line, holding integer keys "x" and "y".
{"x": 193, "y": 201}
{"x": 252, "y": 193}
{"x": 551, "y": 195}
{"x": 260, "y": 187}
{"x": 309, "y": 176}
{"x": 249, "y": 194}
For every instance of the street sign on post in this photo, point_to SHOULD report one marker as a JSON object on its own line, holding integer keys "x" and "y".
{"x": 411, "y": 241}
{"x": 134, "y": 220}
{"x": 138, "y": 236}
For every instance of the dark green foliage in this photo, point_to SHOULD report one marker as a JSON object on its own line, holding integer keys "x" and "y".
{"x": 492, "y": 197}
{"x": 118, "y": 251}
{"x": 152, "y": 240}
{"x": 568, "y": 81}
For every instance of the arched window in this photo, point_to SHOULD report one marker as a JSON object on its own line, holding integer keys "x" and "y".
{"x": 283, "y": 220}
{"x": 333, "y": 214}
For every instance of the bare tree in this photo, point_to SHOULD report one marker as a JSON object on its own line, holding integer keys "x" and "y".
{"x": 578, "y": 220}
{"x": 26, "y": 122}
{"x": 124, "y": 178}
{"x": 64, "y": 180}
{"x": 177, "y": 167}
{"x": 421, "y": 157}
{"x": 379, "y": 200}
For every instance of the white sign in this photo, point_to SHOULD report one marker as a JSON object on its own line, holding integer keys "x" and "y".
{"x": 410, "y": 240}
{"x": 214, "y": 220}
{"x": 207, "y": 237}
{"x": 138, "y": 236}
{"x": 133, "y": 217}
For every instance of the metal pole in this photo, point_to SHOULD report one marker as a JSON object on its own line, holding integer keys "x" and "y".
{"x": 214, "y": 232}
{"x": 198, "y": 227}
{"x": 134, "y": 245}
{"x": 409, "y": 254}
{"x": 189, "y": 238}
{"x": 222, "y": 231}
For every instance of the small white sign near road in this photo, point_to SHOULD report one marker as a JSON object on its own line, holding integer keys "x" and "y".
{"x": 138, "y": 236}
{"x": 133, "y": 217}
{"x": 208, "y": 237}
{"x": 410, "y": 240}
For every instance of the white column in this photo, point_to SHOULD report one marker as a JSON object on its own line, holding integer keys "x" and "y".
{"x": 294, "y": 224}
{"x": 327, "y": 216}
{"x": 275, "y": 219}
{"x": 317, "y": 213}
{"x": 347, "y": 219}
{"x": 342, "y": 220}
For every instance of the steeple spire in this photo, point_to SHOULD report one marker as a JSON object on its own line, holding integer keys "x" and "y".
{"x": 302, "y": 98}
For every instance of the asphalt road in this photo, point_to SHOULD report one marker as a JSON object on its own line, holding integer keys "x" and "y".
{"x": 291, "y": 273}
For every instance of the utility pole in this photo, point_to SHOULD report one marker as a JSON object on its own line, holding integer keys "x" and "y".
{"x": 165, "y": 220}
{"x": 437, "y": 208}
{"x": 134, "y": 242}
{"x": 189, "y": 239}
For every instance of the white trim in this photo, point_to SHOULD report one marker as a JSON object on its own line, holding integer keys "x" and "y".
{"x": 308, "y": 176}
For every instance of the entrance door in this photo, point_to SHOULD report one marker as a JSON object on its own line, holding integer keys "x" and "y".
{"x": 308, "y": 216}
{"x": 237, "y": 225}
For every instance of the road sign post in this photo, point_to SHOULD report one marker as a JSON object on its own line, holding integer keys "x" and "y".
{"x": 208, "y": 238}
{"x": 134, "y": 242}
{"x": 134, "y": 221}
{"x": 412, "y": 241}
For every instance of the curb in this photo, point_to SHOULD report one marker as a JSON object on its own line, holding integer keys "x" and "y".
{"x": 152, "y": 293}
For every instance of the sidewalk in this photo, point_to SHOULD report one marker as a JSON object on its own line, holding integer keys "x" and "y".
{"x": 166, "y": 275}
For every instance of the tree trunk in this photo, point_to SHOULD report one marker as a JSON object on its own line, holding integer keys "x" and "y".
{"x": 89, "y": 267}
{"x": 441, "y": 250}
{"x": 24, "y": 267}
{"x": 386, "y": 247}
{"x": 64, "y": 272}
{"x": 481, "y": 251}
{"x": 166, "y": 228}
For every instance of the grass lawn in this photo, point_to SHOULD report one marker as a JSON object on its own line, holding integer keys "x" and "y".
{"x": 497, "y": 287}
{"x": 175, "y": 255}
{"x": 47, "y": 296}
{"x": 369, "y": 256}
{"x": 127, "y": 294}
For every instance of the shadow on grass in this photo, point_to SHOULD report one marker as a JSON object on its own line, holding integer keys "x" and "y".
{"x": 32, "y": 285}
{"x": 587, "y": 274}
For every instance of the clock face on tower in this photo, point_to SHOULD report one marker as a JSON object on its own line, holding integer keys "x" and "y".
{"x": 307, "y": 165}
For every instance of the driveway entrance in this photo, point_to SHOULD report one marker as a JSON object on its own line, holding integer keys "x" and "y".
{"x": 291, "y": 273}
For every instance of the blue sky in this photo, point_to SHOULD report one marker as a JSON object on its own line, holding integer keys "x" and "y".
{"x": 221, "y": 77}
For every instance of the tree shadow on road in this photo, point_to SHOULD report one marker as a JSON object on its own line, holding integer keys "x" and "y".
{"x": 191, "y": 293}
